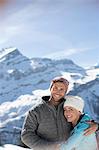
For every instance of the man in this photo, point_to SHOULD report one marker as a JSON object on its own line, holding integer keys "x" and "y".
{"x": 46, "y": 125}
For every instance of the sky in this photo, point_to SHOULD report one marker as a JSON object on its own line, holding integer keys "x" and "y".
{"x": 52, "y": 28}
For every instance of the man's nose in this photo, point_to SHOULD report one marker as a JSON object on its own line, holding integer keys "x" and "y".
{"x": 59, "y": 90}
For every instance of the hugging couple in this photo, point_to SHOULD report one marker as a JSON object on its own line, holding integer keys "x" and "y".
{"x": 59, "y": 123}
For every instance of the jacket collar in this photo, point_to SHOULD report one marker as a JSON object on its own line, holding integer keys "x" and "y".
{"x": 46, "y": 99}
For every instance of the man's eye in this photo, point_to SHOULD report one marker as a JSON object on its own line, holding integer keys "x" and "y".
{"x": 61, "y": 89}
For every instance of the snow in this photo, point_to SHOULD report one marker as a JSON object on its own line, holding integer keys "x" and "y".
{"x": 41, "y": 92}
{"x": 6, "y": 51}
{"x": 2, "y": 59}
{"x": 13, "y": 147}
{"x": 17, "y": 108}
{"x": 10, "y": 70}
{"x": 93, "y": 72}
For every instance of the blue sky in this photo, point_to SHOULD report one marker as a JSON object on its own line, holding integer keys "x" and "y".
{"x": 52, "y": 28}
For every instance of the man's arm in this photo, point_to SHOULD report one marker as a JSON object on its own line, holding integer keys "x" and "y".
{"x": 93, "y": 128}
{"x": 29, "y": 133}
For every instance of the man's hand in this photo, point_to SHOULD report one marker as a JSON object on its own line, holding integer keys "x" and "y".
{"x": 93, "y": 127}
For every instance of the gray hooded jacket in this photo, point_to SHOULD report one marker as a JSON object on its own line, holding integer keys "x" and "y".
{"x": 44, "y": 126}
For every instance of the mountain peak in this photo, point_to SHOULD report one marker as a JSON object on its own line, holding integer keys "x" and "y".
{"x": 6, "y": 51}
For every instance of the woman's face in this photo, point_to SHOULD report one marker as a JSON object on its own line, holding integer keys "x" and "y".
{"x": 58, "y": 91}
{"x": 71, "y": 114}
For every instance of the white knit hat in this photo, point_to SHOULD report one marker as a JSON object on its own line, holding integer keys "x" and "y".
{"x": 75, "y": 102}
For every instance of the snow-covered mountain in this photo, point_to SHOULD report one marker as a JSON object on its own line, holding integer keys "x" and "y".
{"x": 23, "y": 81}
{"x": 21, "y": 75}
{"x": 90, "y": 93}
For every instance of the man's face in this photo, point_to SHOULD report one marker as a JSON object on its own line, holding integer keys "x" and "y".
{"x": 58, "y": 91}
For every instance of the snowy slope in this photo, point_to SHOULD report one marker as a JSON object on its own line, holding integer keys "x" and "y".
{"x": 12, "y": 116}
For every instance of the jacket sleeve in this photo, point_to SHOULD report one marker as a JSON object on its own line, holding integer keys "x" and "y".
{"x": 75, "y": 138}
{"x": 29, "y": 135}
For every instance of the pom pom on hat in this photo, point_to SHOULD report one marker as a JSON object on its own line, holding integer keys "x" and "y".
{"x": 75, "y": 102}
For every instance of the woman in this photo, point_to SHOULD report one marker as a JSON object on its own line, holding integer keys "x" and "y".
{"x": 73, "y": 111}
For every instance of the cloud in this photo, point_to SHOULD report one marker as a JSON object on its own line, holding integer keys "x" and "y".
{"x": 65, "y": 53}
